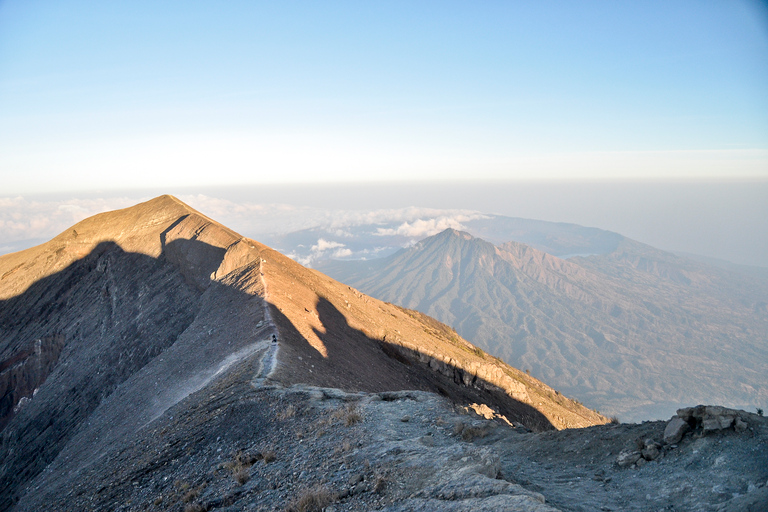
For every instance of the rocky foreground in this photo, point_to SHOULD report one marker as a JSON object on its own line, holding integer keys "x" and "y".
{"x": 238, "y": 446}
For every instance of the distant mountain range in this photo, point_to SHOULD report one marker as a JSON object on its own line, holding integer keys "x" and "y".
{"x": 383, "y": 235}
{"x": 629, "y": 329}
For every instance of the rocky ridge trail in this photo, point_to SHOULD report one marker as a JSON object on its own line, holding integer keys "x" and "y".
{"x": 236, "y": 447}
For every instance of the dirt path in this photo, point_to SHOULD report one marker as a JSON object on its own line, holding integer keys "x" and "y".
{"x": 268, "y": 363}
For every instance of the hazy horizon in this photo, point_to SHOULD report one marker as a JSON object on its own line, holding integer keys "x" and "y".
{"x": 723, "y": 220}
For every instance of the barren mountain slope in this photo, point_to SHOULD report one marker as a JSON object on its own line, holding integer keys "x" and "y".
{"x": 637, "y": 332}
{"x": 120, "y": 320}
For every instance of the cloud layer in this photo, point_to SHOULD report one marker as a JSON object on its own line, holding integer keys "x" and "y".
{"x": 24, "y": 221}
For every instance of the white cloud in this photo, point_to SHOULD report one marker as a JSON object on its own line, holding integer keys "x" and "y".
{"x": 320, "y": 251}
{"x": 421, "y": 228}
{"x": 351, "y": 218}
{"x": 341, "y": 253}
{"x": 323, "y": 245}
{"x": 251, "y": 219}
{"x": 35, "y": 219}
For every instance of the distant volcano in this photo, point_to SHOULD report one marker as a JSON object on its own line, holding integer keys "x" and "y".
{"x": 635, "y": 332}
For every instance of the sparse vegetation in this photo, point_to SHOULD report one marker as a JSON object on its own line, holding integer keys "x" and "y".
{"x": 242, "y": 476}
{"x": 288, "y": 412}
{"x": 470, "y": 433}
{"x": 349, "y": 415}
{"x": 615, "y": 420}
{"x": 239, "y": 465}
{"x": 191, "y": 494}
{"x": 759, "y": 411}
{"x": 353, "y": 417}
{"x": 380, "y": 482}
{"x": 313, "y": 499}
{"x": 269, "y": 456}
{"x": 344, "y": 447}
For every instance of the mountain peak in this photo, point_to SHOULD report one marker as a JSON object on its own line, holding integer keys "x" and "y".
{"x": 454, "y": 233}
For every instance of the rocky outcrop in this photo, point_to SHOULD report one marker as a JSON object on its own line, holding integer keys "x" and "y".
{"x": 488, "y": 376}
{"x": 694, "y": 421}
{"x": 675, "y": 430}
{"x": 481, "y": 375}
{"x": 24, "y": 372}
{"x": 714, "y": 418}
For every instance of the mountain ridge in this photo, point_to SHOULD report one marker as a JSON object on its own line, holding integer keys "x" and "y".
{"x": 134, "y": 312}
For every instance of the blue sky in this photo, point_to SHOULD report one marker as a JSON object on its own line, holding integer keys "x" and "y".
{"x": 111, "y": 95}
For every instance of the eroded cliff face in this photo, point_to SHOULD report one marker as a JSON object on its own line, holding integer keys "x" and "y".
{"x": 22, "y": 373}
{"x": 106, "y": 326}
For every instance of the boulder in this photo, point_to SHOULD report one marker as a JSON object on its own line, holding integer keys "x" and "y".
{"x": 652, "y": 451}
{"x": 627, "y": 458}
{"x": 675, "y": 430}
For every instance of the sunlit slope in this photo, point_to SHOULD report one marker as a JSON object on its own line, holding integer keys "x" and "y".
{"x": 333, "y": 335}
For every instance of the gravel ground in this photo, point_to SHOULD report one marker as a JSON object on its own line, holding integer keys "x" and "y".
{"x": 235, "y": 446}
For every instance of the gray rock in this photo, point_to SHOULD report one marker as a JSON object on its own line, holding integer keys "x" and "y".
{"x": 725, "y": 421}
{"x": 675, "y": 430}
{"x": 712, "y": 418}
{"x": 627, "y": 458}
{"x": 686, "y": 413}
{"x": 713, "y": 423}
{"x": 710, "y": 424}
{"x": 651, "y": 451}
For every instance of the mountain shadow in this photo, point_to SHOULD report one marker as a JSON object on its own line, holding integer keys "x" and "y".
{"x": 93, "y": 353}
{"x": 356, "y": 361}
{"x": 71, "y": 339}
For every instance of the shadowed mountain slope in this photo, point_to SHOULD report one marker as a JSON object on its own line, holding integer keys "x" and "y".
{"x": 115, "y": 324}
{"x": 636, "y": 332}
